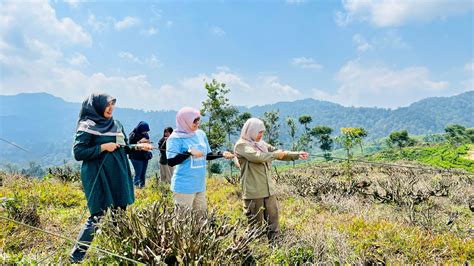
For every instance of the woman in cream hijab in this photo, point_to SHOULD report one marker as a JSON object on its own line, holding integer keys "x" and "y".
{"x": 258, "y": 189}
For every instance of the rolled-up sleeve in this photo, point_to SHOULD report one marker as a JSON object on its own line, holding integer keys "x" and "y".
{"x": 252, "y": 155}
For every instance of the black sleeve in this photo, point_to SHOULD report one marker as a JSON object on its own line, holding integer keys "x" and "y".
{"x": 178, "y": 159}
{"x": 130, "y": 148}
{"x": 212, "y": 156}
{"x": 132, "y": 138}
{"x": 160, "y": 144}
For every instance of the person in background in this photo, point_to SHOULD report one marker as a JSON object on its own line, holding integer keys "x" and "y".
{"x": 101, "y": 144}
{"x": 140, "y": 158}
{"x": 187, "y": 148}
{"x": 258, "y": 189}
{"x": 166, "y": 171}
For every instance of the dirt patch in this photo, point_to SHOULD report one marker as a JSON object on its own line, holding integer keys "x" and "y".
{"x": 470, "y": 155}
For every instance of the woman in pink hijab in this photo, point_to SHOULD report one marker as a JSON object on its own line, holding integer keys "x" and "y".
{"x": 188, "y": 149}
{"x": 255, "y": 158}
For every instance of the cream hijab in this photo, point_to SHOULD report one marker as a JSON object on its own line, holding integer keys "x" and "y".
{"x": 250, "y": 131}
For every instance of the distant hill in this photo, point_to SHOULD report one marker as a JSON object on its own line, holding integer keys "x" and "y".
{"x": 45, "y": 124}
{"x": 427, "y": 116}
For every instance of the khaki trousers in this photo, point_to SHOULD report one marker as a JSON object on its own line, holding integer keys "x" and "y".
{"x": 263, "y": 209}
{"x": 166, "y": 172}
{"x": 190, "y": 202}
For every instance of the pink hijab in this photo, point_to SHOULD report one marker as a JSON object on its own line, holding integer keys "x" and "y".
{"x": 250, "y": 131}
{"x": 184, "y": 121}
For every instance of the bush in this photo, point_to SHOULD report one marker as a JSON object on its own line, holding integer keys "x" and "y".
{"x": 64, "y": 174}
{"x": 216, "y": 168}
{"x": 155, "y": 235}
{"x": 20, "y": 211}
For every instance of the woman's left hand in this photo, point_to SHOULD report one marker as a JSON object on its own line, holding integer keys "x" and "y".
{"x": 145, "y": 146}
{"x": 228, "y": 155}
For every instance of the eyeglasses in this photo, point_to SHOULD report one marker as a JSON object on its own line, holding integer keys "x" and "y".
{"x": 197, "y": 120}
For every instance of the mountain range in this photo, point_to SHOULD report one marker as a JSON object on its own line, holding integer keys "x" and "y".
{"x": 45, "y": 125}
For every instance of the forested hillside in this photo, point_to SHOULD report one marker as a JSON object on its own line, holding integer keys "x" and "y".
{"x": 45, "y": 124}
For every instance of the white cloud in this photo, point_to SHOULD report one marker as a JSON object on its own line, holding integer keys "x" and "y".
{"x": 223, "y": 68}
{"x": 153, "y": 61}
{"x": 379, "y": 85}
{"x": 217, "y": 31}
{"x": 362, "y": 44}
{"x": 96, "y": 24}
{"x": 38, "y": 64}
{"x": 391, "y": 39}
{"x": 38, "y": 20}
{"x": 157, "y": 13}
{"x": 129, "y": 57}
{"x": 127, "y": 22}
{"x": 468, "y": 85}
{"x": 307, "y": 63}
{"x": 49, "y": 73}
{"x": 150, "y": 31}
{"x": 469, "y": 67}
{"x": 73, "y": 3}
{"x": 264, "y": 90}
{"x": 78, "y": 60}
{"x": 388, "y": 13}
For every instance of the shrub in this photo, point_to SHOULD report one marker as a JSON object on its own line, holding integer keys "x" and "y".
{"x": 216, "y": 168}
{"x": 64, "y": 174}
{"x": 20, "y": 211}
{"x": 156, "y": 235}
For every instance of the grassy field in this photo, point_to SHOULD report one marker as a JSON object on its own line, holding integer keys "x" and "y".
{"x": 330, "y": 213}
{"x": 441, "y": 155}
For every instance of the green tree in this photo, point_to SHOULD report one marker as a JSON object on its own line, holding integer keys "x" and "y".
{"x": 34, "y": 169}
{"x": 221, "y": 115}
{"x": 305, "y": 140}
{"x": 292, "y": 131}
{"x": 323, "y": 136}
{"x": 270, "y": 119}
{"x": 241, "y": 119}
{"x": 400, "y": 139}
{"x": 470, "y": 134}
{"x": 457, "y": 135}
{"x": 434, "y": 138}
{"x": 350, "y": 137}
{"x": 305, "y": 120}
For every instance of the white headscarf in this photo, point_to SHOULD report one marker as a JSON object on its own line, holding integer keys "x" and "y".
{"x": 250, "y": 131}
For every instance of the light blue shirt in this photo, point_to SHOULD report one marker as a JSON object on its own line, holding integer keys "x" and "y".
{"x": 190, "y": 175}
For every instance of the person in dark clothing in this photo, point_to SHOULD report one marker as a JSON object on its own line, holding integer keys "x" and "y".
{"x": 101, "y": 144}
{"x": 166, "y": 171}
{"x": 140, "y": 158}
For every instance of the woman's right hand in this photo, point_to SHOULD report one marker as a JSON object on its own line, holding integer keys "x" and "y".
{"x": 109, "y": 147}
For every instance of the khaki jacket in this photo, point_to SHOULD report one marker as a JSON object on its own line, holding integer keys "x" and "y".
{"x": 255, "y": 169}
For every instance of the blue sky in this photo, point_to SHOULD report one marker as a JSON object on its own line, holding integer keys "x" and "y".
{"x": 156, "y": 55}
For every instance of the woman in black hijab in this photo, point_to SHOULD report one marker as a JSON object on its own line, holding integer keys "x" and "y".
{"x": 101, "y": 144}
{"x": 140, "y": 158}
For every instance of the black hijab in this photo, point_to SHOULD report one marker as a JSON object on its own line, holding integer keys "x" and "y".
{"x": 91, "y": 116}
{"x": 139, "y": 129}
